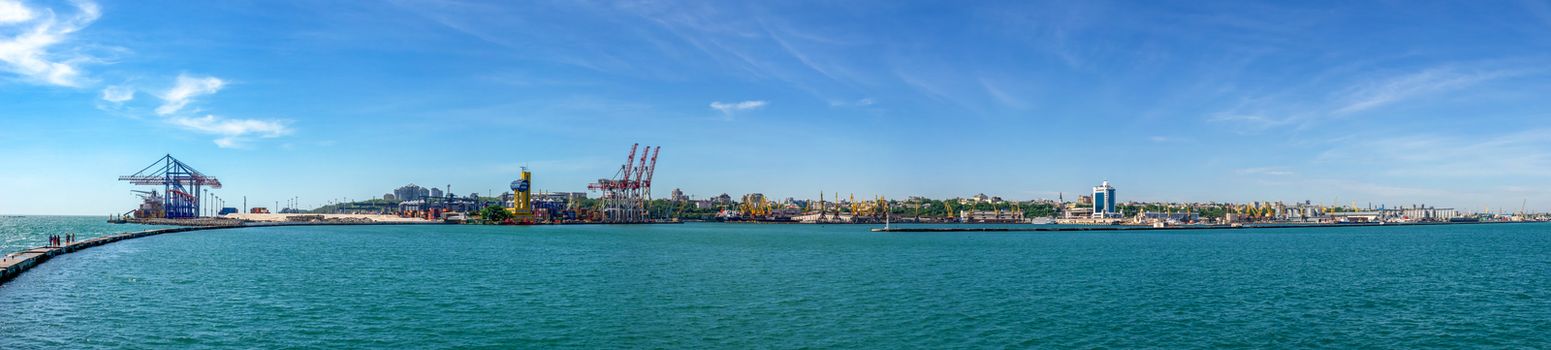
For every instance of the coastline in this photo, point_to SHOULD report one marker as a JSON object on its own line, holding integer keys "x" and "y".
{"x": 1176, "y": 228}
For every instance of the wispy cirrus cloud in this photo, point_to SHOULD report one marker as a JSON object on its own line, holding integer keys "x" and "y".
{"x": 1403, "y": 87}
{"x": 729, "y": 108}
{"x": 185, "y": 89}
{"x": 1307, "y": 105}
{"x": 29, "y": 52}
{"x": 1000, "y": 94}
{"x": 233, "y": 133}
{"x": 1523, "y": 153}
{"x": 1270, "y": 171}
{"x": 863, "y": 102}
{"x": 1170, "y": 139}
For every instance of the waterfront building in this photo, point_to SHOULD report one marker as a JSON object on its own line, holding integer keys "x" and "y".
{"x": 992, "y": 216}
{"x": 389, "y": 197}
{"x": 1078, "y": 212}
{"x": 1180, "y": 216}
{"x": 409, "y": 192}
{"x": 978, "y": 198}
{"x": 1357, "y": 216}
{"x": 678, "y": 196}
{"x": 1104, "y": 201}
{"x": 436, "y": 193}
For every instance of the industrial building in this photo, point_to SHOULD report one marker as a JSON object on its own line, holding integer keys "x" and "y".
{"x": 410, "y": 192}
{"x": 1424, "y": 214}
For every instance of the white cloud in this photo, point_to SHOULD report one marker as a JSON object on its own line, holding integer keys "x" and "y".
{"x": 12, "y": 11}
{"x": 27, "y": 36}
{"x": 186, "y": 89}
{"x": 27, "y": 52}
{"x": 233, "y": 132}
{"x": 118, "y": 94}
{"x": 729, "y": 108}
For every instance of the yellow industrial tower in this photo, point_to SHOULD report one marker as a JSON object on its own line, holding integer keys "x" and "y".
{"x": 522, "y": 198}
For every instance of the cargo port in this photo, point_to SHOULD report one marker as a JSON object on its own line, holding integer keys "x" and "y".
{"x": 173, "y": 192}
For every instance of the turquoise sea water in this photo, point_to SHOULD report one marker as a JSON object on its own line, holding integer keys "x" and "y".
{"x": 18, "y": 233}
{"x": 790, "y": 286}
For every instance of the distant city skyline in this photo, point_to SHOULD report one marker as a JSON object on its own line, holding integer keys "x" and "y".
{"x": 1186, "y": 101}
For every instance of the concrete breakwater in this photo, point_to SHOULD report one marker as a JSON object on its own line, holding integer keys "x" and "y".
{"x": 15, "y": 264}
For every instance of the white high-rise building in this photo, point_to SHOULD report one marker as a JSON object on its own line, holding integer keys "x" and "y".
{"x": 1104, "y": 201}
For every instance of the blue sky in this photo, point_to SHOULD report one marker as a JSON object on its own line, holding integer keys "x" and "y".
{"x": 1392, "y": 102}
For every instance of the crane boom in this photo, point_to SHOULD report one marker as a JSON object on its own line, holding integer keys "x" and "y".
{"x": 628, "y": 161}
{"x": 640, "y": 169}
{"x": 652, "y": 169}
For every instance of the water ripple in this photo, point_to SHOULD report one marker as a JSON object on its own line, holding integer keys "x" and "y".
{"x": 790, "y": 286}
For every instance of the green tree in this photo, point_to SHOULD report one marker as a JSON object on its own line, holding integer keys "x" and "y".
{"x": 495, "y": 214}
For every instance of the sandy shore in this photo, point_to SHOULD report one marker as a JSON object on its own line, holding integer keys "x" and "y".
{"x": 282, "y": 217}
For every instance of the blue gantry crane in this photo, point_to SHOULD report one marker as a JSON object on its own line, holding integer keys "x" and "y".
{"x": 180, "y": 184}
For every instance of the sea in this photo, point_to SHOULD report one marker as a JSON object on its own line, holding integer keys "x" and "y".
{"x": 22, "y": 232}
{"x": 781, "y": 286}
